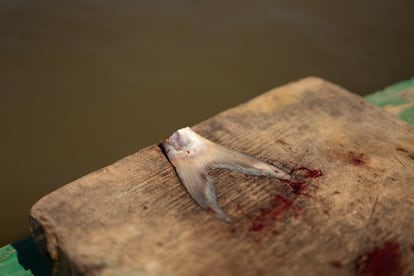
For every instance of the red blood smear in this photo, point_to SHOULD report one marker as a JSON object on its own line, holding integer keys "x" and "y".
{"x": 298, "y": 187}
{"x": 275, "y": 232}
{"x": 256, "y": 227}
{"x": 381, "y": 261}
{"x": 279, "y": 206}
{"x": 337, "y": 264}
{"x": 188, "y": 152}
{"x": 357, "y": 161}
{"x": 310, "y": 173}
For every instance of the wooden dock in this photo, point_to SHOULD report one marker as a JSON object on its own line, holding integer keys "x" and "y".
{"x": 348, "y": 210}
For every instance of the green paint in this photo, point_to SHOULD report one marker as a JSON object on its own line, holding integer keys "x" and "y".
{"x": 396, "y": 95}
{"x": 408, "y": 115}
{"x": 22, "y": 258}
{"x": 392, "y": 94}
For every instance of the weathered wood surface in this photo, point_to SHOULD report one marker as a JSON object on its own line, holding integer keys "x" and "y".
{"x": 134, "y": 217}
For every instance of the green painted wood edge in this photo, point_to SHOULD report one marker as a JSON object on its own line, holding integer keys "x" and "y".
{"x": 397, "y": 99}
{"x": 22, "y": 257}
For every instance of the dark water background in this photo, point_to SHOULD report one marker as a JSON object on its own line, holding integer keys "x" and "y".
{"x": 84, "y": 83}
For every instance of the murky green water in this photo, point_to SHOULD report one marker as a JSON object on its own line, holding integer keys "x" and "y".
{"x": 84, "y": 83}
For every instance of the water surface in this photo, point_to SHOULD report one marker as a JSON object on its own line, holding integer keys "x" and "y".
{"x": 84, "y": 83}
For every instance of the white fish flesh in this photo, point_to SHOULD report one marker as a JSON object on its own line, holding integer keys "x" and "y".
{"x": 193, "y": 156}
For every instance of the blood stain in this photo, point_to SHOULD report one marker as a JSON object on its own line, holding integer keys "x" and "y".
{"x": 279, "y": 206}
{"x": 256, "y": 227}
{"x": 336, "y": 264}
{"x": 310, "y": 173}
{"x": 298, "y": 187}
{"x": 145, "y": 207}
{"x": 275, "y": 232}
{"x": 356, "y": 159}
{"x": 385, "y": 260}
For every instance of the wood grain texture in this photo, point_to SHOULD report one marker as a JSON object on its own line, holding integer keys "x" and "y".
{"x": 134, "y": 216}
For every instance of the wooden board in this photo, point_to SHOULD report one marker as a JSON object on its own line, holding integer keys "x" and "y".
{"x": 134, "y": 216}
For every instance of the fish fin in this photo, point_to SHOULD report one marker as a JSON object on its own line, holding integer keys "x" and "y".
{"x": 225, "y": 158}
{"x": 201, "y": 187}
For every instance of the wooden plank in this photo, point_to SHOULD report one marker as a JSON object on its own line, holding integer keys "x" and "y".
{"x": 134, "y": 216}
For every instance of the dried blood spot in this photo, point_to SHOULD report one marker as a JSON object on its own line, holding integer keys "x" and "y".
{"x": 145, "y": 207}
{"x": 356, "y": 159}
{"x": 188, "y": 152}
{"x": 279, "y": 207}
{"x": 298, "y": 187}
{"x": 256, "y": 227}
{"x": 275, "y": 232}
{"x": 385, "y": 260}
{"x": 310, "y": 173}
{"x": 336, "y": 264}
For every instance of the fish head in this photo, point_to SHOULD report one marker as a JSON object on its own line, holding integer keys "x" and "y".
{"x": 182, "y": 143}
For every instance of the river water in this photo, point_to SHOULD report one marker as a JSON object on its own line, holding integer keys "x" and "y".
{"x": 84, "y": 83}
